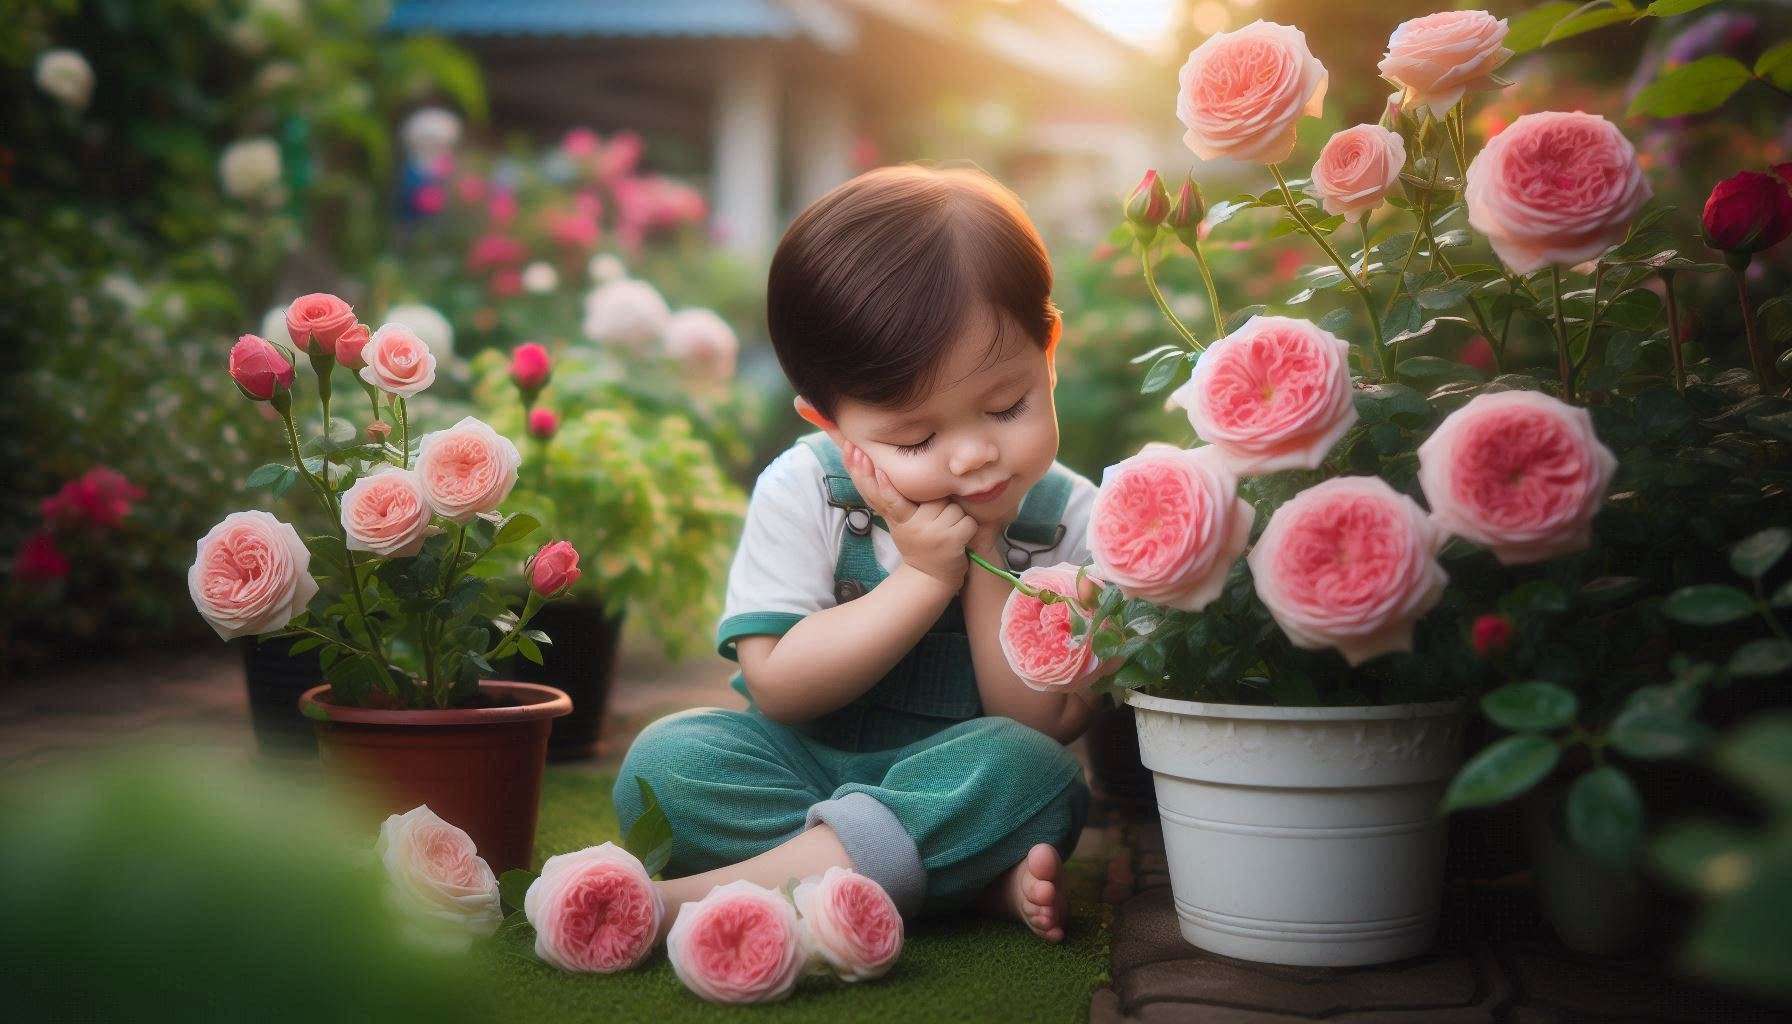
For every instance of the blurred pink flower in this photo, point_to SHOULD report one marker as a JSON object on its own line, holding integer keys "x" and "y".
{"x": 495, "y": 250}
{"x": 580, "y": 143}
{"x": 429, "y": 199}
{"x": 39, "y": 560}
{"x": 620, "y": 156}
{"x": 502, "y": 209}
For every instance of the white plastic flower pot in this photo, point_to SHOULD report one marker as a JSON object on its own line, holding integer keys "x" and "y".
{"x": 1303, "y": 836}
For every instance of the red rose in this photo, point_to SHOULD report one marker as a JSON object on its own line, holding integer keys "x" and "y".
{"x": 1491, "y": 634}
{"x": 102, "y": 496}
{"x": 39, "y": 560}
{"x": 543, "y": 424}
{"x": 1749, "y": 211}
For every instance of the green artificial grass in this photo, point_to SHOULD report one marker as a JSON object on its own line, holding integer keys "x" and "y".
{"x": 954, "y": 969}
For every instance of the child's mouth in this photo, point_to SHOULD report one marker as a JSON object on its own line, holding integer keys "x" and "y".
{"x": 982, "y": 497}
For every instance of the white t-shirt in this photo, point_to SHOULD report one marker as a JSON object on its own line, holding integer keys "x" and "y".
{"x": 784, "y": 567}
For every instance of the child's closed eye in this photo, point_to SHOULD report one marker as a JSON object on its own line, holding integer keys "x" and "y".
{"x": 1010, "y": 413}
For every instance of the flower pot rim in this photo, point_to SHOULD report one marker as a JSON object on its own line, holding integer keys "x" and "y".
{"x": 1271, "y": 712}
{"x": 538, "y": 702}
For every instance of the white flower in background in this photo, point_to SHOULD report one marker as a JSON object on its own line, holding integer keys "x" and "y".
{"x": 540, "y": 277}
{"x": 431, "y": 327}
{"x": 123, "y": 289}
{"x": 276, "y": 75}
{"x": 273, "y": 323}
{"x": 66, "y": 75}
{"x": 606, "y": 267}
{"x": 430, "y": 133}
{"x": 250, "y": 168}
{"x": 627, "y": 312}
{"x": 703, "y": 343}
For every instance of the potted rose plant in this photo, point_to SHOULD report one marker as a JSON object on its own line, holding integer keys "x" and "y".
{"x": 405, "y": 620}
{"x": 1302, "y": 706}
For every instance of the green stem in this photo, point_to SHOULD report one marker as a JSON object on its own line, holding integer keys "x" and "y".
{"x": 404, "y": 435}
{"x": 373, "y": 398}
{"x": 448, "y": 573}
{"x": 1164, "y": 307}
{"x": 1213, "y": 294}
{"x": 1458, "y": 145}
{"x": 1586, "y": 352}
{"x": 1047, "y": 596}
{"x": 1381, "y": 352}
{"x": 530, "y": 607}
{"x": 1674, "y": 339}
{"x": 1563, "y": 369}
{"x": 1757, "y": 358}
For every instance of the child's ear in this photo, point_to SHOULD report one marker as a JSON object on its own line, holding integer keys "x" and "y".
{"x": 815, "y": 418}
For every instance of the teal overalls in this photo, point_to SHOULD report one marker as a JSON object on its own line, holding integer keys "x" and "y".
{"x": 927, "y": 797}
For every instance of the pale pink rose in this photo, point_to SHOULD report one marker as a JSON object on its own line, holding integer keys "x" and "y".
{"x": 1554, "y": 188}
{"x": 703, "y": 343}
{"x": 1272, "y": 395}
{"x": 384, "y": 512}
{"x": 1241, "y": 92}
{"x": 1036, "y": 636}
{"x": 350, "y": 345}
{"x": 1349, "y": 563}
{"x": 467, "y": 469}
{"x": 252, "y": 575}
{"x": 850, "y": 922}
{"x": 594, "y": 910}
{"x": 1517, "y": 472}
{"x": 398, "y": 362}
{"x": 554, "y": 569}
{"x": 441, "y": 885}
{"x": 319, "y": 315}
{"x": 739, "y": 944}
{"x": 1356, "y": 169}
{"x": 1437, "y": 58}
{"x": 1168, "y": 524}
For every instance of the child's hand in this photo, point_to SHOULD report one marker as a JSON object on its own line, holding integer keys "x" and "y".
{"x": 931, "y": 537}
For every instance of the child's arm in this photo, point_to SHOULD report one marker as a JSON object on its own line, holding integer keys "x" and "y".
{"x": 1062, "y": 716}
{"x": 831, "y": 657}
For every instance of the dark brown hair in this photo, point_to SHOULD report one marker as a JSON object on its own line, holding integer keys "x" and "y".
{"x": 873, "y": 280}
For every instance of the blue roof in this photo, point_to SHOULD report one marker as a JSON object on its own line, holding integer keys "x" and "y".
{"x": 738, "y": 18}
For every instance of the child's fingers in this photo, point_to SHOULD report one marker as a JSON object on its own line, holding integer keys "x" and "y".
{"x": 897, "y": 505}
{"x": 858, "y": 466}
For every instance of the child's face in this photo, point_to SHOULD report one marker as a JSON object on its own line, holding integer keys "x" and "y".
{"x": 979, "y": 427}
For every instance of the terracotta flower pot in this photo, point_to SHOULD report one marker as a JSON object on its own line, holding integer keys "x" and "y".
{"x": 478, "y": 767}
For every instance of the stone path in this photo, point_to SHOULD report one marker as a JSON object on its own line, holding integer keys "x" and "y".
{"x": 1495, "y": 961}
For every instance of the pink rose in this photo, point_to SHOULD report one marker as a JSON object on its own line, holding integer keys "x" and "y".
{"x": 467, "y": 469}
{"x": 319, "y": 315}
{"x": 1036, "y": 636}
{"x": 100, "y": 497}
{"x": 554, "y": 569}
{"x": 594, "y": 910}
{"x": 1437, "y": 58}
{"x": 398, "y": 362}
{"x": 1241, "y": 92}
{"x": 544, "y": 423}
{"x": 739, "y": 944}
{"x": 1554, "y": 188}
{"x": 39, "y": 560}
{"x": 1349, "y": 563}
{"x": 1518, "y": 472}
{"x": 259, "y": 369}
{"x": 384, "y": 512}
{"x": 1168, "y": 524}
{"x": 1356, "y": 169}
{"x": 580, "y": 143}
{"x": 850, "y": 922}
{"x": 703, "y": 343}
{"x": 351, "y": 345}
{"x": 441, "y": 885}
{"x": 530, "y": 366}
{"x": 1272, "y": 395}
{"x": 252, "y": 575}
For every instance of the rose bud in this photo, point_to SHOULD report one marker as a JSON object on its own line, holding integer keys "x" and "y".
{"x": 378, "y": 431}
{"x": 1491, "y": 634}
{"x": 1186, "y": 214}
{"x": 350, "y": 344}
{"x": 554, "y": 569}
{"x": 530, "y": 367}
{"x": 543, "y": 424}
{"x": 1148, "y": 205}
{"x": 1749, "y": 212}
{"x": 259, "y": 368}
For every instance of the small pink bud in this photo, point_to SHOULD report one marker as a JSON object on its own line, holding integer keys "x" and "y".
{"x": 378, "y": 431}
{"x": 259, "y": 369}
{"x": 530, "y": 366}
{"x": 554, "y": 569}
{"x": 543, "y": 424}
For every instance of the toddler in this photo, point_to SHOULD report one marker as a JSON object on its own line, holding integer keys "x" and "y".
{"x": 911, "y": 309}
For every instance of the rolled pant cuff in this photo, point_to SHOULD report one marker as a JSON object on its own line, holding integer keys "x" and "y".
{"x": 880, "y": 848}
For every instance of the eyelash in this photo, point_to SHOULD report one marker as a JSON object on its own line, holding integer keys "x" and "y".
{"x": 1012, "y": 412}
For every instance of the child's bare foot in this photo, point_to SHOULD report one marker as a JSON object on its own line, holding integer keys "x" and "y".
{"x": 1030, "y": 891}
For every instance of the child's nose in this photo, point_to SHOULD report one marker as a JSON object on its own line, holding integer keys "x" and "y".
{"x": 971, "y": 456}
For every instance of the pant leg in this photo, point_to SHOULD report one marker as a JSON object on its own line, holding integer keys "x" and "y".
{"x": 733, "y": 783}
{"x": 975, "y": 797}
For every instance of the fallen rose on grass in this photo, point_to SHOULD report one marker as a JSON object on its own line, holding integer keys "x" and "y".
{"x": 850, "y": 923}
{"x": 1272, "y": 395}
{"x": 252, "y": 575}
{"x": 1350, "y": 563}
{"x": 439, "y": 882}
{"x": 1518, "y": 472}
{"x": 594, "y": 910}
{"x": 1167, "y": 525}
{"x": 740, "y": 944}
{"x": 1036, "y": 635}
{"x": 467, "y": 469}
{"x": 385, "y": 513}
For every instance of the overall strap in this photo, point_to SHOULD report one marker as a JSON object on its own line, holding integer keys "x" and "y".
{"x": 857, "y": 569}
{"x": 1039, "y": 525}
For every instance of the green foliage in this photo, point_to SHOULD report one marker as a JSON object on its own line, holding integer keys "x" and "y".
{"x": 1693, "y": 88}
{"x": 650, "y": 838}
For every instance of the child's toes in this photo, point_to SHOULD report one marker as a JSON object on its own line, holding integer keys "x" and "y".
{"x": 1041, "y": 892}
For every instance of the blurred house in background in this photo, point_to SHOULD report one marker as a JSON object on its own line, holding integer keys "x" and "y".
{"x": 776, "y": 101}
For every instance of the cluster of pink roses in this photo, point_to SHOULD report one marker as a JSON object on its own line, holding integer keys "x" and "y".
{"x": 98, "y": 499}
{"x": 597, "y": 911}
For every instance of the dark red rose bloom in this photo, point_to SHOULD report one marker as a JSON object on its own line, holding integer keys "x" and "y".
{"x": 1491, "y": 634}
{"x": 1750, "y": 211}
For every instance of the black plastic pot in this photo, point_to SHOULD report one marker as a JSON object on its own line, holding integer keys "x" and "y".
{"x": 580, "y": 661}
{"x": 275, "y": 681}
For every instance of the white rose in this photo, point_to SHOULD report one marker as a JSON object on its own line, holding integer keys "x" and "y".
{"x": 430, "y": 326}
{"x": 605, "y": 267}
{"x": 444, "y": 888}
{"x": 540, "y": 277}
{"x": 66, "y": 75}
{"x": 250, "y": 168}
{"x": 703, "y": 342}
{"x": 627, "y": 312}
{"x": 429, "y": 133}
